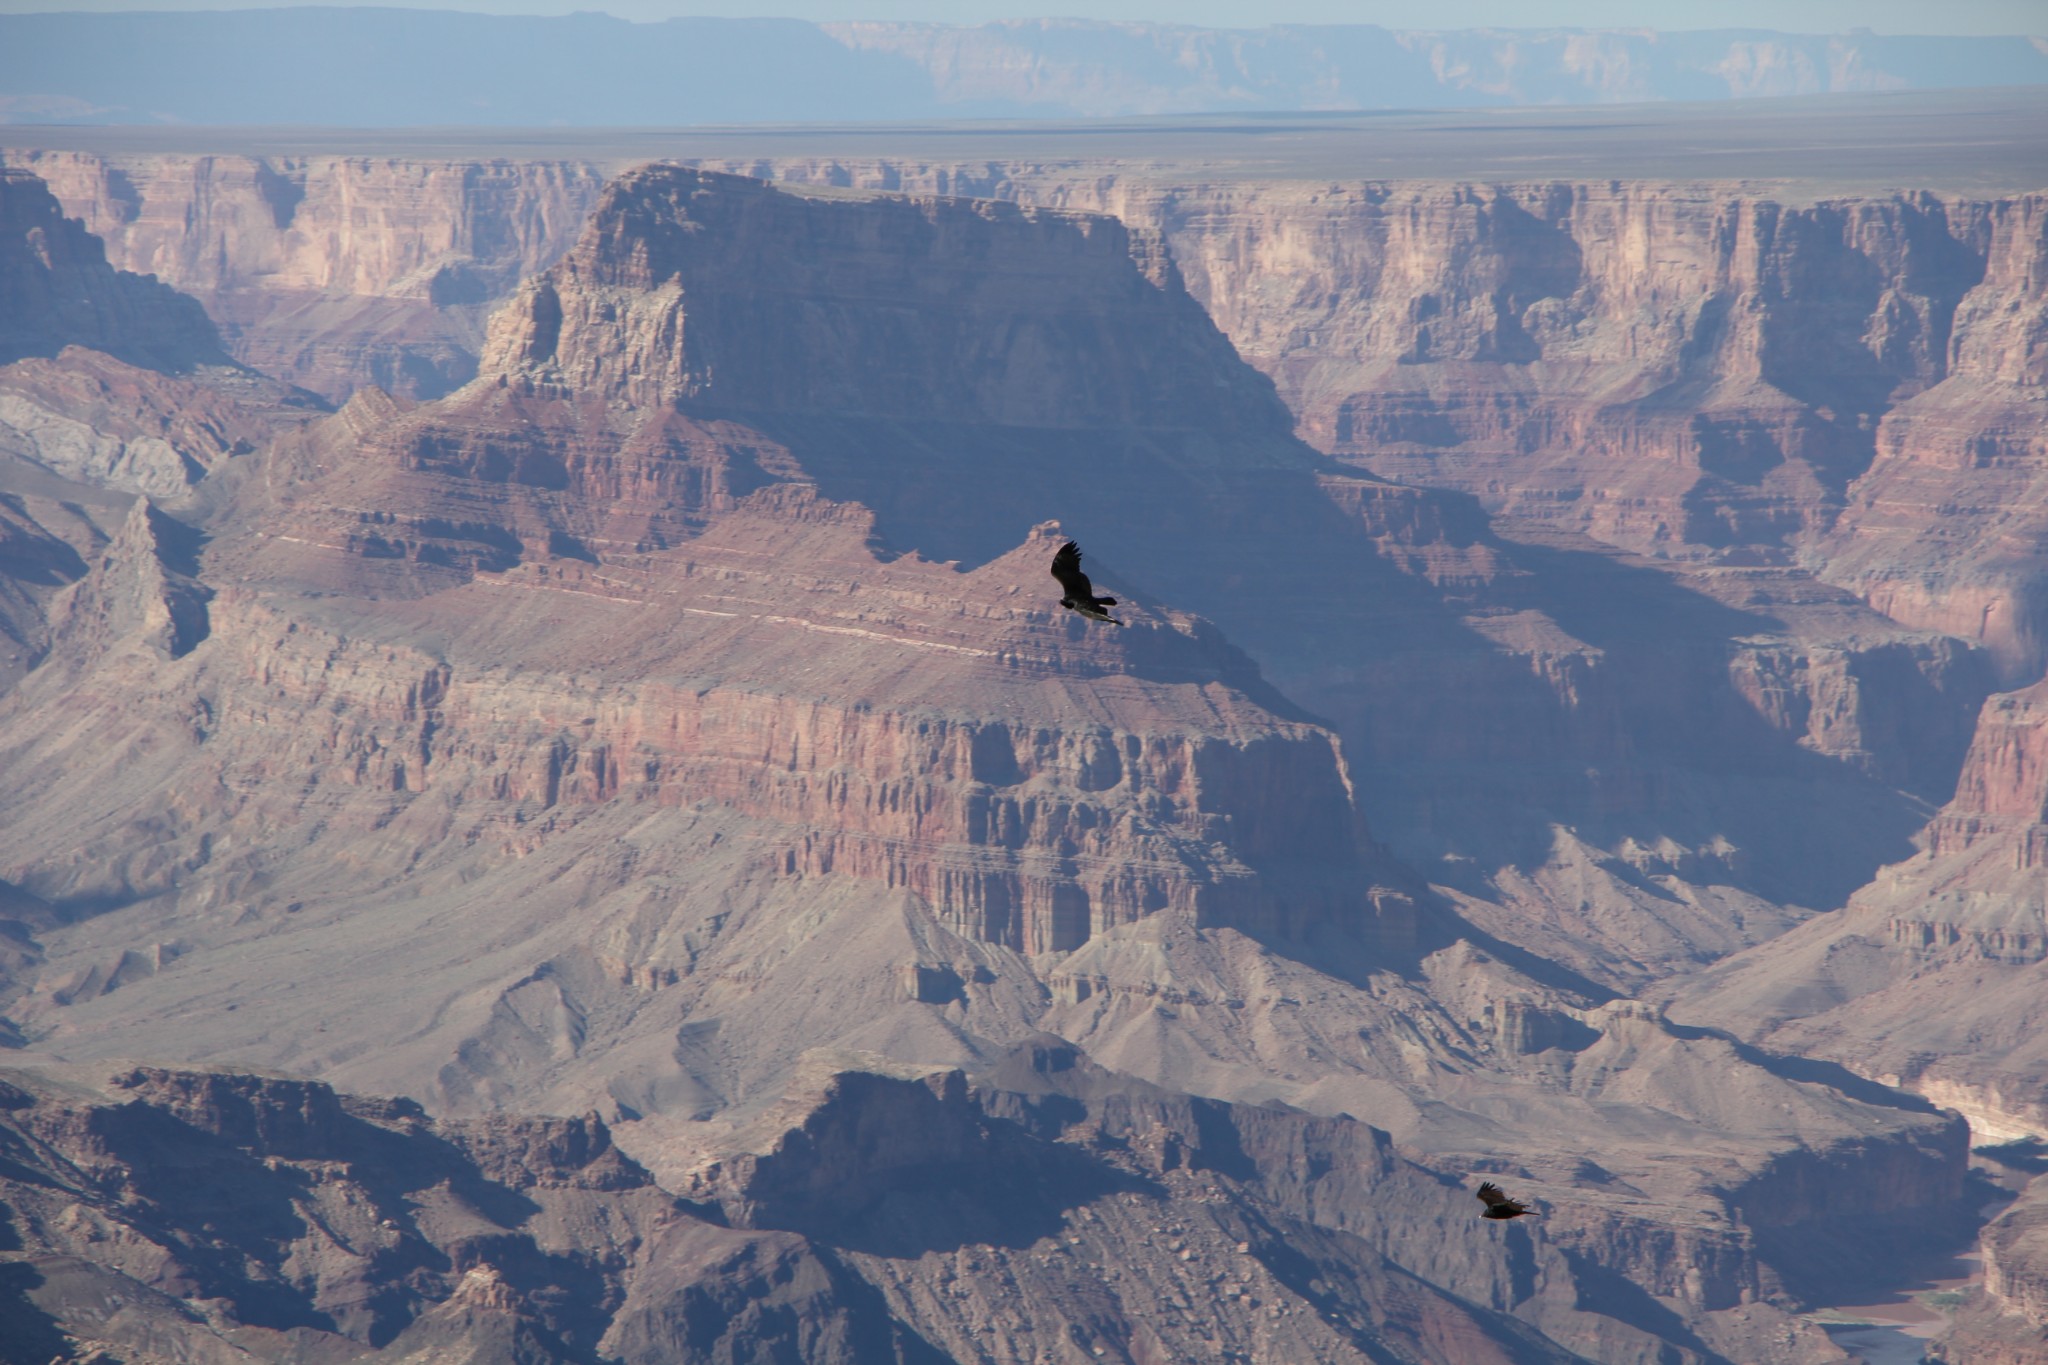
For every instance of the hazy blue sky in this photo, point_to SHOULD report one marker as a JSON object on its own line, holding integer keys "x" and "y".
{"x": 1791, "y": 16}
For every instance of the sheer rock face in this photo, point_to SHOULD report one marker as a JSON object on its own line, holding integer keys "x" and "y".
{"x": 57, "y": 290}
{"x": 2004, "y": 1325}
{"x": 1029, "y": 834}
{"x": 613, "y": 756}
{"x": 1696, "y": 372}
{"x": 332, "y": 272}
{"x": 1854, "y": 385}
{"x": 724, "y": 292}
{"x": 1934, "y": 975}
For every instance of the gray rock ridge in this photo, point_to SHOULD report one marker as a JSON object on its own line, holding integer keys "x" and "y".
{"x": 231, "y": 1216}
{"x": 155, "y": 1214}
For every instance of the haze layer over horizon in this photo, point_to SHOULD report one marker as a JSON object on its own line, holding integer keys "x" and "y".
{"x": 362, "y": 67}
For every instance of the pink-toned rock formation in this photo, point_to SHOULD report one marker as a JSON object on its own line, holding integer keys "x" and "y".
{"x": 1693, "y": 371}
{"x": 2004, "y": 1324}
{"x": 331, "y": 272}
{"x": 57, "y": 289}
{"x": 686, "y": 693}
{"x": 111, "y": 384}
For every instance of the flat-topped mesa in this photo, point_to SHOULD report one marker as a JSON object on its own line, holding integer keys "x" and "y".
{"x": 901, "y": 724}
{"x": 686, "y": 605}
{"x": 727, "y": 294}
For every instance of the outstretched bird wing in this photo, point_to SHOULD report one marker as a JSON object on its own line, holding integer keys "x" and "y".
{"x": 1066, "y": 567}
{"x": 1490, "y": 1195}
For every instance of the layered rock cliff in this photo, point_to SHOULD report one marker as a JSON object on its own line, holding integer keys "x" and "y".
{"x": 331, "y": 272}
{"x": 2004, "y": 1325}
{"x": 57, "y": 289}
{"x": 1688, "y": 370}
{"x": 1699, "y": 372}
{"x": 1851, "y": 385}
{"x": 111, "y": 384}
{"x": 613, "y": 731}
{"x": 1932, "y": 976}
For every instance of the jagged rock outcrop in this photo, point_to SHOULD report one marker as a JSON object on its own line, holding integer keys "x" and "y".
{"x": 111, "y": 384}
{"x": 164, "y": 1215}
{"x": 143, "y": 592}
{"x": 1271, "y": 1210}
{"x": 615, "y": 730}
{"x": 887, "y": 1214}
{"x": 57, "y": 290}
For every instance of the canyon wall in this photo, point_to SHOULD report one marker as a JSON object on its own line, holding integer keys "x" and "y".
{"x": 58, "y": 289}
{"x": 331, "y": 272}
{"x": 687, "y": 692}
{"x": 1687, "y": 371}
{"x": 111, "y": 384}
{"x": 1698, "y": 372}
{"x": 1932, "y": 976}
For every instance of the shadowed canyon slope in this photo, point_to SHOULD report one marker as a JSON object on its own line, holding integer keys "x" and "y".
{"x": 164, "y": 1215}
{"x": 686, "y": 693}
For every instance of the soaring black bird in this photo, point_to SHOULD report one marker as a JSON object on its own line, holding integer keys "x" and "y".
{"x": 1080, "y": 593}
{"x": 1499, "y": 1205}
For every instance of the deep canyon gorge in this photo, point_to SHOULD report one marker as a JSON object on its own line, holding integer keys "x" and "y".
{"x": 552, "y": 812}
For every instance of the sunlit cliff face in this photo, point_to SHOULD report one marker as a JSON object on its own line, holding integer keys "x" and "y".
{"x": 676, "y": 720}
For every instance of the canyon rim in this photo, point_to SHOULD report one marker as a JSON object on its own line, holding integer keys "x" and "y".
{"x": 551, "y": 812}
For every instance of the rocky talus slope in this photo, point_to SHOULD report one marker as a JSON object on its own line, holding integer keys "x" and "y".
{"x": 1933, "y": 976}
{"x": 684, "y": 694}
{"x": 155, "y": 1215}
{"x": 112, "y": 384}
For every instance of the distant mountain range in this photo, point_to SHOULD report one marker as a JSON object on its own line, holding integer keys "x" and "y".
{"x": 391, "y": 67}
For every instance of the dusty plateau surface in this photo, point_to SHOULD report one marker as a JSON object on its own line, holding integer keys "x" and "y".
{"x": 542, "y": 638}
